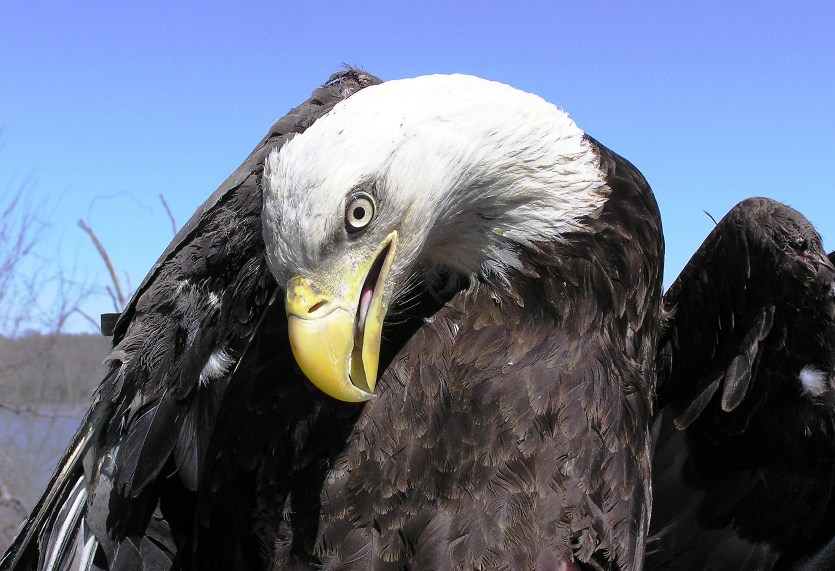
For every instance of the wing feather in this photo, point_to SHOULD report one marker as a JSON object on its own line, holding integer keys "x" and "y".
{"x": 747, "y": 465}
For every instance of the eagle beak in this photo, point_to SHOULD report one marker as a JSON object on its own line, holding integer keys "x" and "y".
{"x": 336, "y": 338}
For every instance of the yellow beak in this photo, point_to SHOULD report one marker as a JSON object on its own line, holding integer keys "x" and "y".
{"x": 336, "y": 337}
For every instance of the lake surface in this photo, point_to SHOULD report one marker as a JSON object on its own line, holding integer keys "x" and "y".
{"x": 31, "y": 443}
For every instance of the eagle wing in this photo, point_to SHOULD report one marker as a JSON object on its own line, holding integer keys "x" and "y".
{"x": 744, "y": 464}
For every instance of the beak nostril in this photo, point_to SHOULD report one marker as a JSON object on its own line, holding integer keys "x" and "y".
{"x": 316, "y": 306}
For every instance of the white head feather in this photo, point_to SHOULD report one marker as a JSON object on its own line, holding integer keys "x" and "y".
{"x": 467, "y": 170}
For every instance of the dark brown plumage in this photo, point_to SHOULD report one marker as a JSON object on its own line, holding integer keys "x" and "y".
{"x": 745, "y": 453}
{"x": 510, "y": 428}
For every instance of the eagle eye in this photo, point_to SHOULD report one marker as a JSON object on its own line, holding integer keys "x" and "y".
{"x": 359, "y": 212}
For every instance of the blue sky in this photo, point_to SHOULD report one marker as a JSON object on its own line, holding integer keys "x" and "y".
{"x": 105, "y": 105}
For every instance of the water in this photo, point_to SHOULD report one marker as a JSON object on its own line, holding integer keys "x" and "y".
{"x": 32, "y": 441}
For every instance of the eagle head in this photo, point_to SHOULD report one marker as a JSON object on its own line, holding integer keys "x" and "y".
{"x": 402, "y": 183}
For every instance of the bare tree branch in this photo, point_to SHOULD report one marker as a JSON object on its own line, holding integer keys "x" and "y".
{"x": 170, "y": 216}
{"x": 19, "y": 232}
{"x": 104, "y": 256}
{"x": 116, "y": 305}
{"x": 83, "y": 314}
{"x": 35, "y": 411}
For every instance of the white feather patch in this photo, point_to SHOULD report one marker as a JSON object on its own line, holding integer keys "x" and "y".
{"x": 218, "y": 366}
{"x": 813, "y": 381}
{"x": 89, "y": 550}
{"x": 61, "y": 536}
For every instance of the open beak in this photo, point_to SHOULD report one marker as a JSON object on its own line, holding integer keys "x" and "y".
{"x": 336, "y": 337}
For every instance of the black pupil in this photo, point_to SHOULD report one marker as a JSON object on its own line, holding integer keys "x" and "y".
{"x": 359, "y": 213}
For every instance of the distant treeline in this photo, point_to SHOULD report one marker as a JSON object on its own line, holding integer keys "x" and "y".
{"x": 51, "y": 368}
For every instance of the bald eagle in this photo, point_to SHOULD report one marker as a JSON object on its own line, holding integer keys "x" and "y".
{"x": 499, "y": 419}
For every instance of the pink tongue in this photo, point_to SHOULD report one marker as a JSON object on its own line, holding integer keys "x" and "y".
{"x": 365, "y": 303}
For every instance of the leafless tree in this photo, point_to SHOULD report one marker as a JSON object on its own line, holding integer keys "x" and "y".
{"x": 27, "y": 278}
{"x": 37, "y": 365}
{"x": 19, "y": 229}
